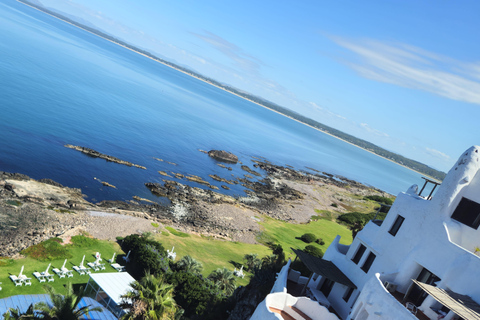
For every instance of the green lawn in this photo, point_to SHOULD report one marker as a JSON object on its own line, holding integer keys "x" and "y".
{"x": 212, "y": 253}
{"x": 12, "y": 267}
{"x": 285, "y": 233}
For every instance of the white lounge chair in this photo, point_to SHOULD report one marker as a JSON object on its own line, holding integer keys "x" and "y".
{"x": 93, "y": 266}
{"x": 65, "y": 271}
{"x": 39, "y": 276}
{"x": 81, "y": 269}
{"x": 118, "y": 267}
{"x": 16, "y": 280}
{"x": 98, "y": 257}
{"x": 59, "y": 272}
{"x": 47, "y": 275}
{"x": 172, "y": 254}
{"x": 239, "y": 273}
{"x": 23, "y": 278}
{"x": 26, "y": 281}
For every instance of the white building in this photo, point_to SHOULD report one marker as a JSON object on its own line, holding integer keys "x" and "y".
{"x": 423, "y": 255}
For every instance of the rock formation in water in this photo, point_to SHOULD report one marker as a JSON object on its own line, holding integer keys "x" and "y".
{"x": 222, "y": 155}
{"x": 96, "y": 154}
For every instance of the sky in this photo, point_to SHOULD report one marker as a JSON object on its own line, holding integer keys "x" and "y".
{"x": 402, "y": 74}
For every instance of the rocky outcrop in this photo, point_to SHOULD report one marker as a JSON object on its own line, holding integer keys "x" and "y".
{"x": 96, "y": 154}
{"x": 222, "y": 155}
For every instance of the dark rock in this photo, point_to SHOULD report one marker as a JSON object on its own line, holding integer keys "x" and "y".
{"x": 222, "y": 155}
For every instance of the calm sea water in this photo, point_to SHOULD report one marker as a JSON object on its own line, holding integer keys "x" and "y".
{"x": 60, "y": 84}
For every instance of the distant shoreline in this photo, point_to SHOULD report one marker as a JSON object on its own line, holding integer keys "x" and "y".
{"x": 224, "y": 89}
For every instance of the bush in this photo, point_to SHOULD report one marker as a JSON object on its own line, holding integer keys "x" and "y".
{"x": 320, "y": 241}
{"x": 380, "y": 199}
{"x": 353, "y": 218}
{"x": 334, "y": 205}
{"x": 313, "y": 251}
{"x": 48, "y": 250}
{"x": 147, "y": 254}
{"x": 308, "y": 237}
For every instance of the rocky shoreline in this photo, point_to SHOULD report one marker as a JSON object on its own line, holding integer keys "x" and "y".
{"x": 32, "y": 211}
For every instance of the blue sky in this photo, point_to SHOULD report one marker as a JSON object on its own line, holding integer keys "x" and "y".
{"x": 402, "y": 74}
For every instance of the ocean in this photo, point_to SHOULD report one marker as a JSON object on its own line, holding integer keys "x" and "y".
{"x": 62, "y": 85}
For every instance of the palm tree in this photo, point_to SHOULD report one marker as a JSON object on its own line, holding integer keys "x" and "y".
{"x": 16, "y": 314}
{"x": 251, "y": 261}
{"x": 189, "y": 264}
{"x": 149, "y": 299}
{"x": 64, "y": 306}
{"x": 223, "y": 279}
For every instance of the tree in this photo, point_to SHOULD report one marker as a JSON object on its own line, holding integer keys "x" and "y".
{"x": 64, "y": 307}
{"x": 150, "y": 299}
{"x": 223, "y": 279}
{"x": 189, "y": 264}
{"x": 252, "y": 261}
{"x": 16, "y": 314}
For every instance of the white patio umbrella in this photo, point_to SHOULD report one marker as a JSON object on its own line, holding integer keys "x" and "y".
{"x": 46, "y": 271}
{"x": 21, "y": 271}
{"x": 64, "y": 263}
{"x": 81, "y": 264}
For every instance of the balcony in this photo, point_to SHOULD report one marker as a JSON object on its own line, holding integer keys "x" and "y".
{"x": 281, "y": 304}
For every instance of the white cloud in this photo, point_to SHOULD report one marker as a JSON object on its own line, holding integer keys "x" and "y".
{"x": 374, "y": 131}
{"x": 242, "y": 59}
{"x": 437, "y": 154}
{"x": 415, "y": 68}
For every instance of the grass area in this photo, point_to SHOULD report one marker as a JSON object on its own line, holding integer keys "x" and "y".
{"x": 12, "y": 267}
{"x": 285, "y": 233}
{"x": 177, "y": 233}
{"x": 213, "y": 253}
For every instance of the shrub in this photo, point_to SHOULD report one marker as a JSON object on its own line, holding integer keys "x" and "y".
{"x": 320, "y": 241}
{"x": 48, "y": 250}
{"x": 155, "y": 225}
{"x": 308, "y": 237}
{"x": 380, "y": 199}
{"x": 334, "y": 205}
{"x": 146, "y": 253}
{"x": 313, "y": 251}
{"x": 354, "y": 218}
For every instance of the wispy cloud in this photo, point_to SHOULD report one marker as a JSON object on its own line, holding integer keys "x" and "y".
{"x": 374, "y": 131}
{"x": 415, "y": 68}
{"x": 242, "y": 59}
{"x": 316, "y": 107}
{"x": 437, "y": 154}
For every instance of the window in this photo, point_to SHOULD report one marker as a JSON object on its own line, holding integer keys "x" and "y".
{"x": 327, "y": 287}
{"x": 359, "y": 254}
{"x": 368, "y": 262}
{"x": 396, "y": 225}
{"x": 468, "y": 213}
{"x": 348, "y": 294}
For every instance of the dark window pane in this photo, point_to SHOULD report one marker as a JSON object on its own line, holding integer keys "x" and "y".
{"x": 468, "y": 213}
{"x": 348, "y": 294}
{"x": 368, "y": 263}
{"x": 396, "y": 225}
{"x": 359, "y": 254}
{"x": 327, "y": 287}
